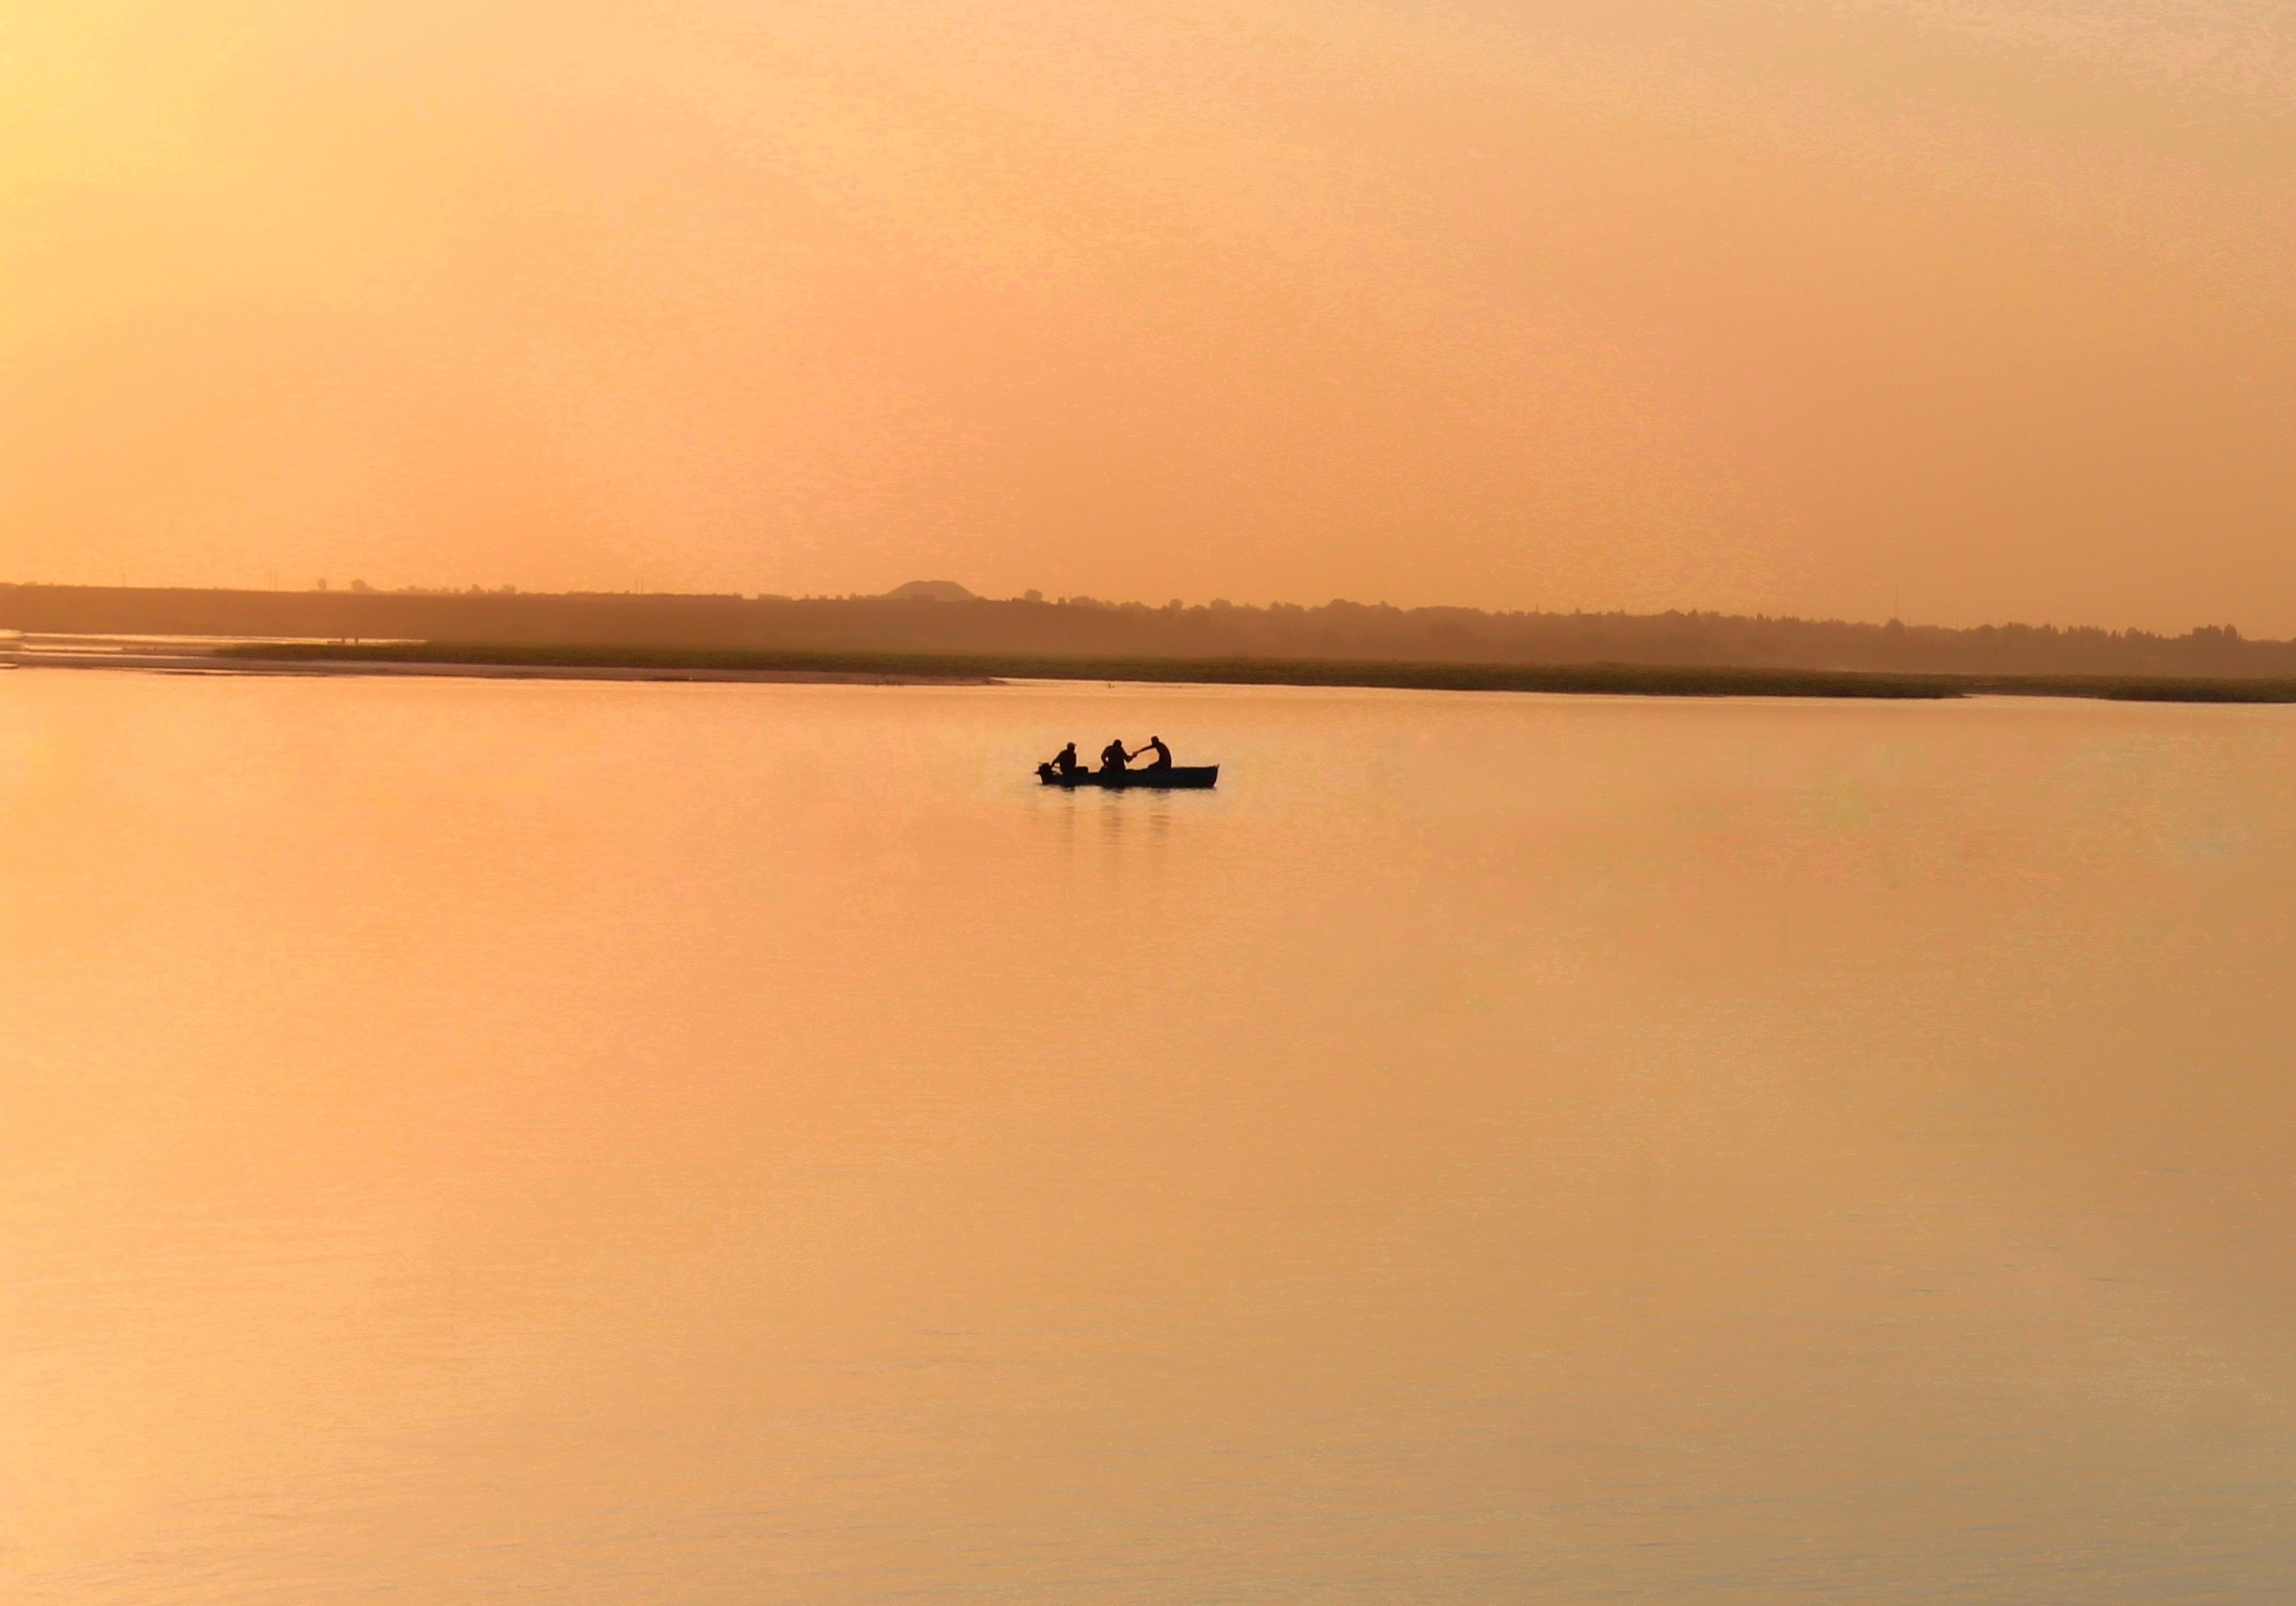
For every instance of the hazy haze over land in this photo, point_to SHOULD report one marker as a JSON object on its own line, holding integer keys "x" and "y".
{"x": 1977, "y": 307}
{"x": 1102, "y": 634}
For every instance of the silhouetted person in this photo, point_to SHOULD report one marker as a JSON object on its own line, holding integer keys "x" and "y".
{"x": 1163, "y": 754}
{"x": 1065, "y": 760}
{"x": 1112, "y": 757}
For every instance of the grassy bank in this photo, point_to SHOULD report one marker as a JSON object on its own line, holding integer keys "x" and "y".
{"x": 1617, "y": 679}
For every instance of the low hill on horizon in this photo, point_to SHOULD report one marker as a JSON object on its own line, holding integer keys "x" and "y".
{"x": 931, "y": 591}
{"x": 929, "y": 619}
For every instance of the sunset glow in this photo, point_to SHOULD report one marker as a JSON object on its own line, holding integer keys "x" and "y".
{"x": 1974, "y": 309}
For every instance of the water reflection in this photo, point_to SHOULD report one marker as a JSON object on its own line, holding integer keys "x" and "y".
{"x": 573, "y": 1141}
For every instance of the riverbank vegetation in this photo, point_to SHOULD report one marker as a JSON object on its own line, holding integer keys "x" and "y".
{"x": 1082, "y": 627}
{"x": 1615, "y": 679}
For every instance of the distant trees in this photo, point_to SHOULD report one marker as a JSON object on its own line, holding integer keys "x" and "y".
{"x": 1086, "y": 627}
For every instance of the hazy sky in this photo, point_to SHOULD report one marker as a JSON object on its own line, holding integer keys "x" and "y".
{"x": 1795, "y": 305}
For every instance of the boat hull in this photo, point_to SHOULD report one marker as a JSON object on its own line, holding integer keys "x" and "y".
{"x": 1177, "y": 777}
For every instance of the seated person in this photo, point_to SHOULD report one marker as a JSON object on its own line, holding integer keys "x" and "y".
{"x": 1163, "y": 754}
{"x": 1065, "y": 760}
{"x": 1112, "y": 758}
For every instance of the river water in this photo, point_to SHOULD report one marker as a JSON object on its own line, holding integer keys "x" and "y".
{"x": 471, "y": 1141}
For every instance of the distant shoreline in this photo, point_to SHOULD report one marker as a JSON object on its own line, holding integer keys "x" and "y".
{"x": 1082, "y": 628}
{"x": 281, "y": 658}
{"x": 522, "y": 660}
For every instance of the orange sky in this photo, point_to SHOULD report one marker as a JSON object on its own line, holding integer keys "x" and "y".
{"x": 1791, "y": 305}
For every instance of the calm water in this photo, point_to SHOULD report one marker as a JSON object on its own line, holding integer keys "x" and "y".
{"x": 473, "y": 1143}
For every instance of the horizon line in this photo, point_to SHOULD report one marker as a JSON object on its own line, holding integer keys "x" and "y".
{"x": 1031, "y": 597}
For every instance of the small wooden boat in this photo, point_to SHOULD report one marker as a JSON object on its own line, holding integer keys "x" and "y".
{"x": 1165, "y": 777}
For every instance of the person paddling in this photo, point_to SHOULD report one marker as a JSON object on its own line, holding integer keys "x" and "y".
{"x": 1163, "y": 754}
